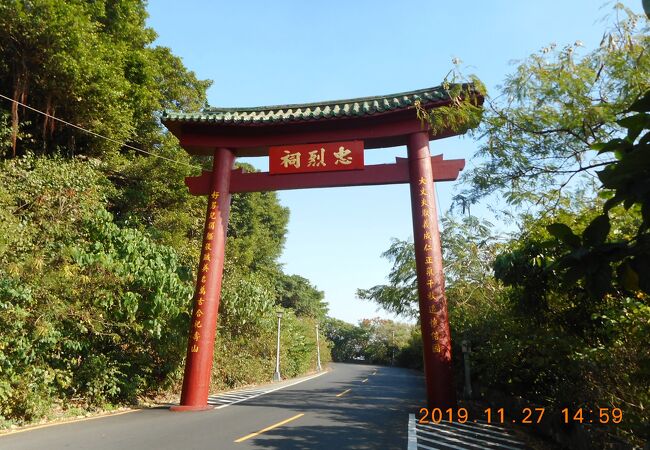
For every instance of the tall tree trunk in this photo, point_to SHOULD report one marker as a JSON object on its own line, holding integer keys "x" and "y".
{"x": 14, "y": 121}
{"x": 48, "y": 123}
{"x": 20, "y": 95}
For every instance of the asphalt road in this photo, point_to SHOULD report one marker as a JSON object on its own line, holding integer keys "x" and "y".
{"x": 337, "y": 410}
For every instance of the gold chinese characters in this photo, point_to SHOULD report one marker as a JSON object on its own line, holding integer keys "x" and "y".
{"x": 205, "y": 269}
{"x": 291, "y": 159}
{"x": 433, "y": 295}
{"x": 317, "y": 157}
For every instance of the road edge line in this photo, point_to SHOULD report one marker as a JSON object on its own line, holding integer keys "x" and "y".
{"x": 66, "y": 422}
{"x": 412, "y": 436}
{"x": 272, "y": 390}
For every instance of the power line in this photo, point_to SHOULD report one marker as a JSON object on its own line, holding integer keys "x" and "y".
{"x": 124, "y": 144}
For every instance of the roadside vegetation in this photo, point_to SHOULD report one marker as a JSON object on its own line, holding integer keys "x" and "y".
{"x": 99, "y": 241}
{"x": 557, "y": 311}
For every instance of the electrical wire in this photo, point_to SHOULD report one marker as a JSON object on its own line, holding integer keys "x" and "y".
{"x": 123, "y": 144}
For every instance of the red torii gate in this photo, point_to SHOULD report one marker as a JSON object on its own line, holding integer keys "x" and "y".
{"x": 314, "y": 131}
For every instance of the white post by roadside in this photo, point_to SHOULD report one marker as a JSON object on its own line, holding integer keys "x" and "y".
{"x": 318, "y": 366}
{"x": 468, "y": 381}
{"x": 276, "y": 375}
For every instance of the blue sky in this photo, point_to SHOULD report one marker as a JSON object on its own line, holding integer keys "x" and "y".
{"x": 278, "y": 52}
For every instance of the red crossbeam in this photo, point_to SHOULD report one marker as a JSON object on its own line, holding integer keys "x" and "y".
{"x": 240, "y": 181}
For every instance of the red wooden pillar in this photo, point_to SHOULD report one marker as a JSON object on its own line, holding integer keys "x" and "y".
{"x": 431, "y": 283}
{"x": 200, "y": 347}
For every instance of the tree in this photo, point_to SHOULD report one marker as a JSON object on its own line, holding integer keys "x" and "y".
{"x": 94, "y": 65}
{"x": 89, "y": 309}
{"x": 386, "y": 340}
{"x": 564, "y": 320}
{"x": 297, "y": 293}
{"x": 91, "y": 64}
{"x": 100, "y": 241}
{"x": 348, "y": 340}
{"x": 626, "y": 180}
{"x": 401, "y": 295}
{"x": 558, "y": 328}
{"x": 256, "y": 230}
{"x": 537, "y": 134}
{"x": 469, "y": 249}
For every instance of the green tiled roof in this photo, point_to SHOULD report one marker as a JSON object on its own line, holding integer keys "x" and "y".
{"x": 311, "y": 111}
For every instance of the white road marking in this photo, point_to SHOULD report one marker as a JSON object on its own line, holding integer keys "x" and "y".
{"x": 233, "y": 397}
{"x": 412, "y": 438}
{"x": 469, "y": 435}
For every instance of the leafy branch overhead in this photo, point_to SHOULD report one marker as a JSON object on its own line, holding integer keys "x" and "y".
{"x": 464, "y": 111}
{"x": 535, "y": 137}
{"x": 559, "y": 311}
{"x": 626, "y": 180}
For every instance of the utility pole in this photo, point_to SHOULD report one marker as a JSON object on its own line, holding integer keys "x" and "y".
{"x": 276, "y": 375}
{"x": 468, "y": 382}
{"x": 318, "y": 366}
{"x": 392, "y": 358}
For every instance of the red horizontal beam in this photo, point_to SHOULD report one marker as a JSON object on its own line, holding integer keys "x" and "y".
{"x": 443, "y": 170}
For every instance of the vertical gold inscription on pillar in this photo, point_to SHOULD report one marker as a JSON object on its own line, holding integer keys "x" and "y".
{"x": 213, "y": 213}
{"x": 428, "y": 261}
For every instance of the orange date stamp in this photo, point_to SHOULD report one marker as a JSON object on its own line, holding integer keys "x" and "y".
{"x": 533, "y": 415}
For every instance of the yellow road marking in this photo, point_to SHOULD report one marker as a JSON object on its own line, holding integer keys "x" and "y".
{"x": 343, "y": 393}
{"x": 85, "y": 419}
{"x": 363, "y": 381}
{"x": 264, "y": 430}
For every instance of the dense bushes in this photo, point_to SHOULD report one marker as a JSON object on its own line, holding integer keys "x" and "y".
{"x": 247, "y": 335}
{"x": 93, "y": 312}
{"x": 564, "y": 347}
{"x": 97, "y": 255}
{"x": 86, "y": 305}
{"x": 377, "y": 341}
{"x": 532, "y": 334}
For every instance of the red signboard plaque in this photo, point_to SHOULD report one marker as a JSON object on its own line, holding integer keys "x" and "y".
{"x": 326, "y": 157}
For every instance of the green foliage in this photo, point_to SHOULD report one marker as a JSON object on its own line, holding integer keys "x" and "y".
{"x": 537, "y": 134}
{"x": 256, "y": 230}
{"x": 401, "y": 295}
{"x": 565, "y": 346}
{"x": 576, "y": 308}
{"x": 626, "y": 180}
{"x": 151, "y": 195}
{"x": 563, "y": 319}
{"x": 87, "y": 306}
{"x": 533, "y": 334}
{"x": 297, "y": 293}
{"x": 246, "y": 303}
{"x": 386, "y": 340}
{"x": 97, "y": 311}
{"x": 348, "y": 340}
{"x": 247, "y": 357}
{"x": 598, "y": 311}
{"x": 411, "y": 354}
{"x": 468, "y": 251}
{"x": 464, "y": 110}
{"x": 91, "y": 64}
{"x": 97, "y": 250}
{"x": 378, "y": 341}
